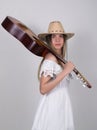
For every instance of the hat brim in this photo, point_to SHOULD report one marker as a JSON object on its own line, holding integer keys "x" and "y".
{"x": 44, "y": 35}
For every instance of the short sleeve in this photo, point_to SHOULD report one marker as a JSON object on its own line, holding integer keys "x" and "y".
{"x": 47, "y": 69}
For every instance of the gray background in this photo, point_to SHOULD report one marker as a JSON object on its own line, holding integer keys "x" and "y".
{"x": 19, "y": 86}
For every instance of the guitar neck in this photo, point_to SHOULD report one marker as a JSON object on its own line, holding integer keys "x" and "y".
{"x": 79, "y": 75}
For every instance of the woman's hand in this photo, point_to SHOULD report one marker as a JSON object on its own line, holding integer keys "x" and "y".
{"x": 68, "y": 67}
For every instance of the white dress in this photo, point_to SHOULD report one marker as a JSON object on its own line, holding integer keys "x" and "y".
{"x": 54, "y": 111}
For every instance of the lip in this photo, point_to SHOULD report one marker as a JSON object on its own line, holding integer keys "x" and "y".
{"x": 57, "y": 44}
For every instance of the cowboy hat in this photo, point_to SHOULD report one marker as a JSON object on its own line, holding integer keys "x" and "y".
{"x": 55, "y": 27}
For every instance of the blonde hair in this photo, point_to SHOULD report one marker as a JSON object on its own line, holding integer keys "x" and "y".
{"x": 64, "y": 51}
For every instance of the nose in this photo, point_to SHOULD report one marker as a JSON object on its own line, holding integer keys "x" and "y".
{"x": 57, "y": 38}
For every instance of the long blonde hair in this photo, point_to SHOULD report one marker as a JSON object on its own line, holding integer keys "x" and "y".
{"x": 64, "y": 51}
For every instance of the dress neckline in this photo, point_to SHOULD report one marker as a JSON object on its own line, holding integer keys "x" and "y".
{"x": 52, "y": 62}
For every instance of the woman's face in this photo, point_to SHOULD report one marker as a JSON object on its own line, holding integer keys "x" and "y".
{"x": 57, "y": 41}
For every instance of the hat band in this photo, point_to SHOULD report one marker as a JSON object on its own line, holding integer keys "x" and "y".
{"x": 56, "y": 31}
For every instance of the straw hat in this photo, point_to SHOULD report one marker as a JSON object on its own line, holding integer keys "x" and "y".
{"x": 55, "y": 27}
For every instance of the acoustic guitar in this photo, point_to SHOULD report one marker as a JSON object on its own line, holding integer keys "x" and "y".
{"x": 32, "y": 42}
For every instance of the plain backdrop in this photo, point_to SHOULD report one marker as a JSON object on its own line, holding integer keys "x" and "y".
{"x": 19, "y": 85}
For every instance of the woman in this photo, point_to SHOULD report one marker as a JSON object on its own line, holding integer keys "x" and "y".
{"x": 54, "y": 111}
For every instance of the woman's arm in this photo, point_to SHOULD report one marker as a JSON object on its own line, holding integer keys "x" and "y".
{"x": 47, "y": 83}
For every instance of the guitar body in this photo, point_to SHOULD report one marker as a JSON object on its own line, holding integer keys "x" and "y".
{"x": 24, "y": 35}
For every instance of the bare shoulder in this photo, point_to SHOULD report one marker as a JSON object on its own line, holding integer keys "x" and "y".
{"x": 50, "y": 56}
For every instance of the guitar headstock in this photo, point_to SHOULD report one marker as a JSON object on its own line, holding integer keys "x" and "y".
{"x": 82, "y": 79}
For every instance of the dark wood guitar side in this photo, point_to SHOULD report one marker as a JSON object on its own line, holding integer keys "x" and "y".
{"x": 24, "y": 35}
{"x": 31, "y": 41}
